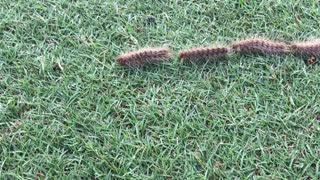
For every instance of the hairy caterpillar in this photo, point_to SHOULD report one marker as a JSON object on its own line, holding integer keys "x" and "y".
{"x": 308, "y": 48}
{"x": 206, "y": 52}
{"x": 260, "y": 45}
{"x": 142, "y": 56}
{"x": 157, "y": 54}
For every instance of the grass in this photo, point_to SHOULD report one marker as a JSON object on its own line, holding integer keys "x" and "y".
{"x": 246, "y": 116}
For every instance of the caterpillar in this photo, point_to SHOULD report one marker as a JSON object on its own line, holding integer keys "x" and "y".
{"x": 308, "y": 48}
{"x": 143, "y": 56}
{"x": 206, "y": 52}
{"x": 260, "y": 45}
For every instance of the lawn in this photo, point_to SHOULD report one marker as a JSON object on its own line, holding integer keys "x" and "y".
{"x": 68, "y": 110}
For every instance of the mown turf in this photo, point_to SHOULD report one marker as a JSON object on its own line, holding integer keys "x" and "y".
{"x": 246, "y": 116}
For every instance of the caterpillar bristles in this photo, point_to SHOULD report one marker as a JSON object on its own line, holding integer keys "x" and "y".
{"x": 143, "y": 56}
{"x": 206, "y": 52}
{"x": 307, "y": 48}
{"x": 260, "y": 45}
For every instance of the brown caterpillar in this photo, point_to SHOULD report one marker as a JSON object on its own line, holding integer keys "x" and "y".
{"x": 206, "y": 52}
{"x": 308, "y": 48}
{"x": 260, "y": 45}
{"x": 142, "y": 56}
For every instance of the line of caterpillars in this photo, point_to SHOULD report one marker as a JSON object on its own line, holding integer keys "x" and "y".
{"x": 252, "y": 45}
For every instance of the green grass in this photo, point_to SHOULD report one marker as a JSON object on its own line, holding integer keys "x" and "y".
{"x": 246, "y": 116}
